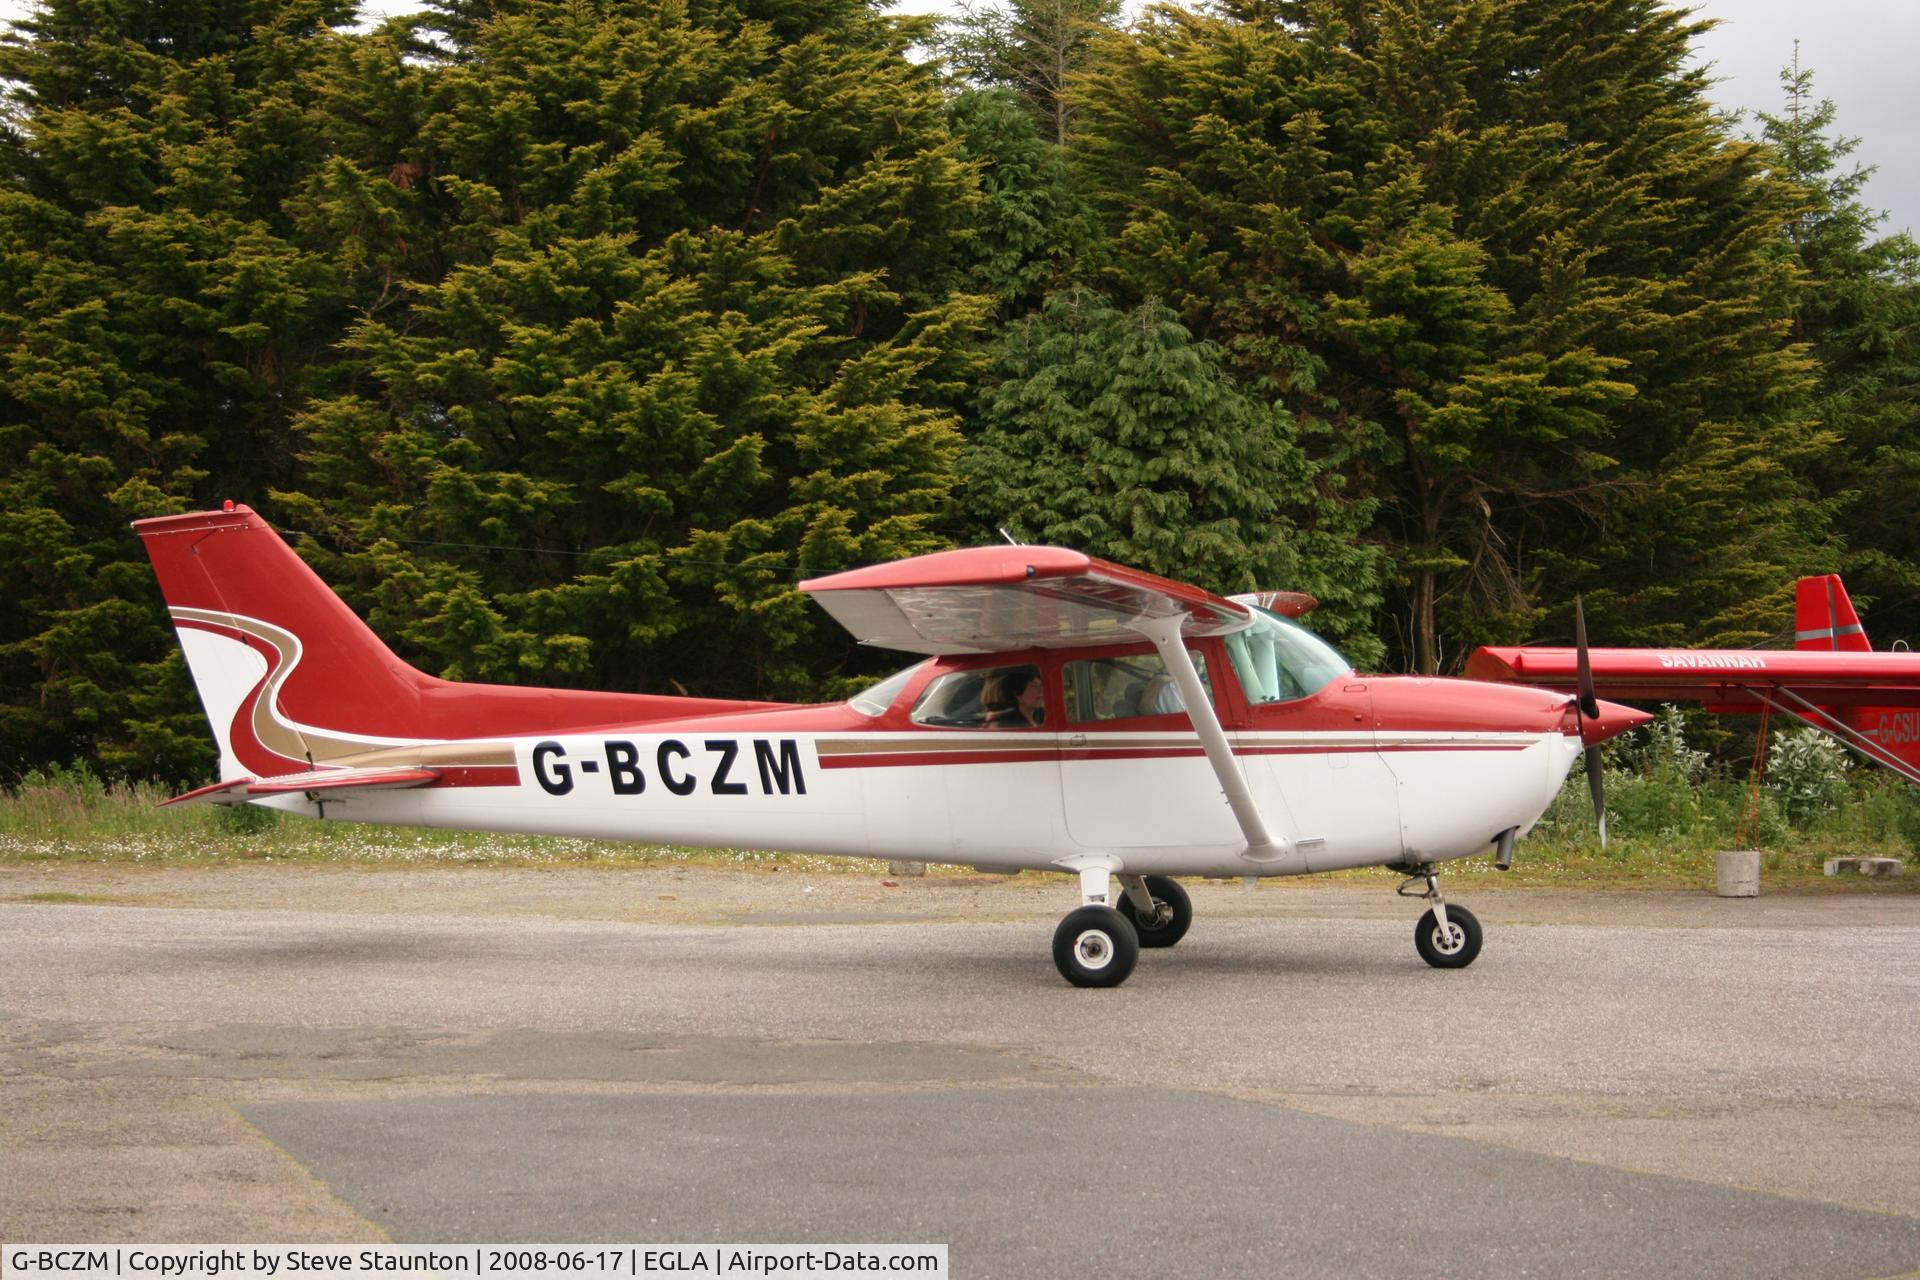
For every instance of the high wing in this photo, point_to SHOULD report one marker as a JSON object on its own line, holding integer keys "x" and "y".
{"x": 1727, "y": 680}
{"x": 993, "y": 599}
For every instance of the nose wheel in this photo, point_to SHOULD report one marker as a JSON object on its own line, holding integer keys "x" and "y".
{"x": 1446, "y": 937}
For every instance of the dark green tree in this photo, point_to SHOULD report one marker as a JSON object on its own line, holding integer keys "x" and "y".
{"x": 156, "y": 320}
{"x": 1031, "y": 224}
{"x": 1115, "y": 433}
{"x": 670, "y": 314}
{"x": 1036, "y": 48}
{"x": 1506, "y": 269}
{"x": 1860, "y": 311}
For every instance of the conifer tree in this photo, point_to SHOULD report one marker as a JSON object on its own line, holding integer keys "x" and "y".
{"x": 1032, "y": 223}
{"x": 155, "y": 322}
{"x": 1505, "y": 268}
{"x": 1035, "y": 48}
{"x": 1860, "y": 311}
{"x": 675, "y": 319}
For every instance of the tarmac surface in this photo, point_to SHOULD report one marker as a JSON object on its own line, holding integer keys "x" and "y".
{"x": 1624, "y": 1083}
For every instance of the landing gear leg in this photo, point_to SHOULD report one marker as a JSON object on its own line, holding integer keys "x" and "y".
{"x": 1446, "y": 937}
{"x": 1157, "y": 908}
{"x": 1095, "y": 946}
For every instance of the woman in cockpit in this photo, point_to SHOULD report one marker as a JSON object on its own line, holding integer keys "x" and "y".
{"x": 1015, "y": 699}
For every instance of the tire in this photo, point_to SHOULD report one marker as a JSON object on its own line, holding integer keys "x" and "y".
{"x": 1454, "y": 952}
{"x": 1166, "y": 891}
{"x": 1095, "y": 947}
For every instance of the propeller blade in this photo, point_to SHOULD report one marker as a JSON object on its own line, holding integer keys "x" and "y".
{"x": 1589, "y": 710}
{"x": 1589, "y": 701}
{"x": 1596, "y": 783}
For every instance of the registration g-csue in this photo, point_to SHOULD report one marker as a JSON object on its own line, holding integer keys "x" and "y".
{"x": 1069, "y": 715}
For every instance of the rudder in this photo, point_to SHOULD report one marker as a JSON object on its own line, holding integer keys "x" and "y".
{"x": 277, "y": 657}
{"x": 1824, "y": 618}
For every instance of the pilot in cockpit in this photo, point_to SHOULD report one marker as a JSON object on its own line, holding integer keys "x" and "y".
{"x": 1014, "y": 699}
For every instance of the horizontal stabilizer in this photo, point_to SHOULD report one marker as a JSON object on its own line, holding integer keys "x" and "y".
{"x": 1288, "y": 604}
{"x": 337, "y": 780}
{"x": 240, "y": 790}
{"x": 232, "y": 791}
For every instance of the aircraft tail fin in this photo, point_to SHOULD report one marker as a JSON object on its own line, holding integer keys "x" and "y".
{"x": 292, "y": 680}
{"x": 1824, "y": 619}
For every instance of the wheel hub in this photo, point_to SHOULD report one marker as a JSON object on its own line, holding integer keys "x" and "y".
{"x": 1093, "y": 949}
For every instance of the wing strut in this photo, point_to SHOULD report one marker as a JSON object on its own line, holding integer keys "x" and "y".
{"x": 1262, "y": 845}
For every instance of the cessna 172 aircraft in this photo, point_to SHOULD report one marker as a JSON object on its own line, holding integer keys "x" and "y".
{"x": 1831, "y": 679}
{"x": 1073, "y": 715}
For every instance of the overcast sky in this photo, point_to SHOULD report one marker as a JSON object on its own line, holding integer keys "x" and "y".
{"x": 1861, "y": 53}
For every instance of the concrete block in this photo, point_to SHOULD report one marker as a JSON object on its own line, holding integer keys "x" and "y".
{"x": 1737, "y": 872}
{"x": 898, "y": 867}
{"x": 1866, "y": 866}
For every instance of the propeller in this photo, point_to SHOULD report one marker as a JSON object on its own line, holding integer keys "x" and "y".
{"x": 1589, "y": 710}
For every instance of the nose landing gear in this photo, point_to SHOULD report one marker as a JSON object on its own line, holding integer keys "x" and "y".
{"x": 1446, "y": 937}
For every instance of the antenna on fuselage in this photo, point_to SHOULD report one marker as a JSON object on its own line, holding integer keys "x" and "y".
{"x": 1011, "y": 540}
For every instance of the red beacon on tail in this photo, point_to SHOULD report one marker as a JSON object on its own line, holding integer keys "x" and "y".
{"x": 1069, "y": 714}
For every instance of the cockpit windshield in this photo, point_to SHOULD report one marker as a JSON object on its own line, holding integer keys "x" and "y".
{"x": 1278, "y": 660}
{"x": 876, "y": 698}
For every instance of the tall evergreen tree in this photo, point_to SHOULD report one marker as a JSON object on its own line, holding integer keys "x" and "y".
{"x": 1115, "y": 433}
{"x": 1032, "y": 223}
{"x": 1860, "y": 312}
{"x": 155, "y": 322}
{"x": 1036, "y": 48}
{"x": 1504, "y": 266}
{"x": 675, "y": 319}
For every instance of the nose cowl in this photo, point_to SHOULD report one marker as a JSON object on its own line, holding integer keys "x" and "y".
{"x": 1612, "y": 721}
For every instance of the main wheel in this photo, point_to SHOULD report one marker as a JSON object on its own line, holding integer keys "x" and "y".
{"x": 1452, "y": 948}
{"x": 1172, "y": 913}
{"x": 1095, "y": 947}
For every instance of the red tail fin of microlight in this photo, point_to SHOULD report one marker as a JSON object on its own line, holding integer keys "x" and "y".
{"x": 1823, "y": 617}
{"x": 293, "y": 681}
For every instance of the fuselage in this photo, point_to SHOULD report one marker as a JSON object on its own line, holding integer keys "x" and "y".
{"x": 1366, "y": 770}
{"x": 1052, "y": 730}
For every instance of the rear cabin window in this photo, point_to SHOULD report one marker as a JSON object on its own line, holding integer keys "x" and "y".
{"x": 875, "y": 699}
{"x": 1123, "y": 688}
{"x": 984, "y": 698}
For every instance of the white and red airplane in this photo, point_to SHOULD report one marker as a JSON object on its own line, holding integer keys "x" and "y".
{"x": 1831, "y": 679}
{"x": 1074, "y": 716}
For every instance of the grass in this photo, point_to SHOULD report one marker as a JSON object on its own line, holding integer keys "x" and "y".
{"x": 70, "y": 815}
{"x": 1666, "y": 831}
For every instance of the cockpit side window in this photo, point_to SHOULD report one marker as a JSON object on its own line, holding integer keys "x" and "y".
{"x": 1126, "y": 686}
{"x": 1009, "y": 697}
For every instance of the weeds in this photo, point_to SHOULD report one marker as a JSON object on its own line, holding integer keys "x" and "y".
{"x": 1669, "y": 811}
